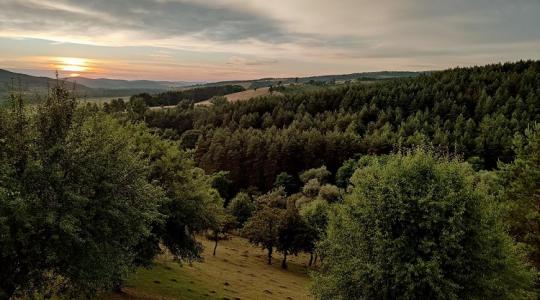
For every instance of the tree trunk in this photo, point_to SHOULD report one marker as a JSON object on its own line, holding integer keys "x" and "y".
{"x": 315, "y": 259}
{"x": 269, "y": 255}
{"x": 215, "y": 247}
{"x": 284, "y": 261}
{"x": 310, "y": 258}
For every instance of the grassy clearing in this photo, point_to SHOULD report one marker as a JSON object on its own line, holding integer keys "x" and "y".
{"x": 245, "y": 95}
{"x": 238, "y": 271}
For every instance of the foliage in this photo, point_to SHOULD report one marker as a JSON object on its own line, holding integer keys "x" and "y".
{"x": 311, "y": 188}
{"x": 330, "y": 193}
{"x": 473, "y": 112}
{"x": 262, "y": 228}
{"x": 241, "y": 207}
{"x": 321, "y": 174}
{"x": 85, "y": 198}
{"x": 416, "y": 227}
{"x": 223, "y": 184}
{"x": 294, "y": 234}
{"x": 287, "y": 182}
{"x": 193, "y": 95}
{"x": 345, "y": 172}
{"x": 75, "y": 199}
{"x": 522, "y": 179}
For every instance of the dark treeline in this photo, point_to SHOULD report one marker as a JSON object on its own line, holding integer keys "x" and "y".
{"x": 474, "y": 112}
{"x": 192, "y": 95}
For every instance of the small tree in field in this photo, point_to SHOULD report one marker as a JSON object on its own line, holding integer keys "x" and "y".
{"x": 293, "y": 234}
{"x": 223, "y": 224}
{"x": 315, "y": 214}
{"x": 416, "y": 227}
{"x": 262, "y": 228}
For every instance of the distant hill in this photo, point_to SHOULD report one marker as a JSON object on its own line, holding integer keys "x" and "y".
{"x": 366, "y": 76}
{"x": 114, "y": 84}
{"x": 103, "y": 87}
{"x": 84, "y": 87}
{"x": 29, "y": 84}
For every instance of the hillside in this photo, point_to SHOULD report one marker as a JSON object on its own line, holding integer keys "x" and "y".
{"x": 84, "y": 87}
{"x": 238, "y": 271}
{"x": 115, "y": 84}
{"x": 473, "y": 112}
{"x": 371, "y": 76}
{"x": 244, "y": 95}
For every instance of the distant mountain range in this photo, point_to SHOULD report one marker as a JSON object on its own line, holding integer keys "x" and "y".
{"x": 84, "y": 87}
{"x": 115, "y": 84}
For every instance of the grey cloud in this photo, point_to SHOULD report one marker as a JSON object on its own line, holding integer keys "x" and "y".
{"x": 162, "y": 19}
{"x": 414, "y": 28}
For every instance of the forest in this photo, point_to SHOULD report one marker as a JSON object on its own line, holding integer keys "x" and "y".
{"x": 407, "y": 188}
{"x": 471, "y": 112}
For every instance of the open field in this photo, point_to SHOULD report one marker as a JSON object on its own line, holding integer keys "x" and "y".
{"x": 238, "y": 271}
{"x": 245, "y": 95}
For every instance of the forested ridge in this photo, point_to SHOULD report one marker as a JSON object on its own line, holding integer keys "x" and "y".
{"x": 474, "y": 112}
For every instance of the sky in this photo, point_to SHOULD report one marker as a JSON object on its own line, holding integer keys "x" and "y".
{"x": 213, "y": 40}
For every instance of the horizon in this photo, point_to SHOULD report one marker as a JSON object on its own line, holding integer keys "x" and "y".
{"x": 209, "y": 41}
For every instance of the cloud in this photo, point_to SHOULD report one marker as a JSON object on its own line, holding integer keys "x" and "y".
{"x": 155, "y": 19}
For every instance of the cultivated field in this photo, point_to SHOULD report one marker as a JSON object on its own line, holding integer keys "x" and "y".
{"x": 238, "y": 271}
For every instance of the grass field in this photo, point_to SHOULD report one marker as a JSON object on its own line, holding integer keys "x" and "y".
{"x": 238, "y": 271}
{"x": 245, "y": 95}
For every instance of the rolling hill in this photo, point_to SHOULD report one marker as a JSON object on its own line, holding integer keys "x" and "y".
{"x": 84, "y": 87}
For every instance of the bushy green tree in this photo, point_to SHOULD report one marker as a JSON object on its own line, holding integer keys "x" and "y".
{"x": 76, "y": 203}
{"x": 262, "y": 228}
{"x": 345, "y": 172}
{"x": 286, "y": 181}
{"x": 242, "y": 207}
{"x": 330, "y": 193}
{"x": 86, "y": 198}
{"x": 522, "y": 182}
{"x": 315, "y": 214}
{"x": 416, "y": 227}
{"x": 321, "y": 174}
{"x": 294, "y": 234}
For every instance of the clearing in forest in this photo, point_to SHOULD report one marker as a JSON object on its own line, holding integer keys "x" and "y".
{"x": 238, "y": 271}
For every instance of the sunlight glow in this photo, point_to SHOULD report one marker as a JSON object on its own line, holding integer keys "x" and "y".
{"x": 72, "y": 64}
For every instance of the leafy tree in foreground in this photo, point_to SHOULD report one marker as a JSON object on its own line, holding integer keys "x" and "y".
{"x": 85, "y": 199}
{"x": 75, "y": 200}
{"x": 523, "y": 192}
{"x": 416, "y": 227}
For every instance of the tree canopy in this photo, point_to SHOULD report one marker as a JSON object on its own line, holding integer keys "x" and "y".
{"x": 416, "y": 227}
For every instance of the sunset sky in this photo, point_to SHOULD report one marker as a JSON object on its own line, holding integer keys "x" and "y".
{"x": 209, "y": 40}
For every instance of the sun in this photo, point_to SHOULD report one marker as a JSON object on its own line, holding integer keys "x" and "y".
{"x": 72, "y": 64}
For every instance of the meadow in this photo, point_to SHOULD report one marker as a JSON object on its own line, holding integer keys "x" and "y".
{"x": 238, "y": 271}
